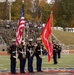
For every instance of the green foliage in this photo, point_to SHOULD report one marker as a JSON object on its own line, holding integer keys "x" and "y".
{"x": 46, "y": 12}
{"x": 16, "y": 7}
{"x": 37, "y": 11}
{"x": 3, "y": 11}
{"x": 64, "y": 12}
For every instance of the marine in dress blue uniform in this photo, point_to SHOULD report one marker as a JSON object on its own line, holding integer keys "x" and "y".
{"x": 59, "y": 51}
{"x": 30, "y": 54}
{"x": 12, "y": 51}
{"x": 22, "y": 57}
{"x": 55, "y": 51}
{"x": 38, "y": 54}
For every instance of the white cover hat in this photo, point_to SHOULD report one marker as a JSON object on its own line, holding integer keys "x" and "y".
{"x": 30, "y": 40}
{"x": 38, "y": 39}
{"x": 13, "y": 40}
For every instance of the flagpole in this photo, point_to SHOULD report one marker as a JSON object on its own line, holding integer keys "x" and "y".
{"x": 52, "y": 19}
{"x": 52, "y": 26}
{"x": 24, "y": 28}
{"x": 50, "y": 38}
{"x": 24, "y": 36}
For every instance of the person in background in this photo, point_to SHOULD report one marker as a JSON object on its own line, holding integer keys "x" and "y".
{"x": 59, "y": 51}
{"x": 55, "y": 51}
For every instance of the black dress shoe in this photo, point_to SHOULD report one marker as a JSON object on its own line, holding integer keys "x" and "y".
{"x": 22, "y": 72}
{"x": 55, "y": 63}
{"x": 31, "y": 71}
{"x": 39, "y": 71}
{"x": 13, "y": 73}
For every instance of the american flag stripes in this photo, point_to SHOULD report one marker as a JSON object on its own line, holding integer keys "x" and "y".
{"x": 20, "y": 27}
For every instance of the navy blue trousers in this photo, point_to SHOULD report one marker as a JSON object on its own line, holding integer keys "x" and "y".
{"x": 22, "y": 64}
{"x": 30, "y": 64}
{"x": 39, "y": 63}
{"x": 59, "y": 54}
{"x": 13, "y": 65}
{"x": 55, "y": 57}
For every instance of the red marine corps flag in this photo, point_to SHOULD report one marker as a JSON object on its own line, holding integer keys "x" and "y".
{"x": 45, "y": 35}
{"x": 21, "y": 26}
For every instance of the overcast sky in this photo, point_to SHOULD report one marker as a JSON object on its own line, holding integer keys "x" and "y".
{"x": 48, "y": 1}
{"x": 8, "y": 0}
{"x": 14, "y": 0}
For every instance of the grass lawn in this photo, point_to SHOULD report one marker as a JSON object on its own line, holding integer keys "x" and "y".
{"x": 66, "y": 61}
{"x": 65, "y": 37}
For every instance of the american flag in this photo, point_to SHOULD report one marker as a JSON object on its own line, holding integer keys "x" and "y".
{"x": 20, "y": 27}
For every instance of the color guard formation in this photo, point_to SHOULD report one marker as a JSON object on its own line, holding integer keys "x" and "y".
{"x": 32, "y": 50}
{"x": 18, "y": 52}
